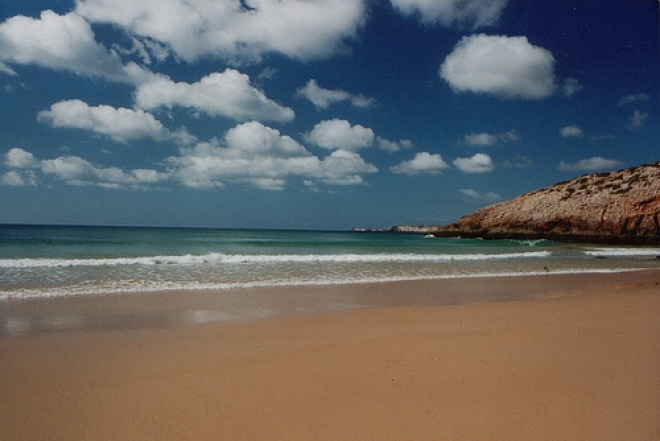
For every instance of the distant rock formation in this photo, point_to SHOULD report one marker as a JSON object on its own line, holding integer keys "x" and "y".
{"x": 622, "y": 207}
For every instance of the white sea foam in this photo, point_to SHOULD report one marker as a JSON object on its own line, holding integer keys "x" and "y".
{"x": 623, "y": 252}
{"x": 262, "y": 259}
{"x": 136, "y": 287}
{"x": 126, "y": 261}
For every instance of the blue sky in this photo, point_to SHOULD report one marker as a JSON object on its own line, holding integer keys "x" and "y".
{"x": 319, "y": 114}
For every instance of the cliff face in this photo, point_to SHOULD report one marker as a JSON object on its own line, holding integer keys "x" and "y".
{"x": 618, "y": 207}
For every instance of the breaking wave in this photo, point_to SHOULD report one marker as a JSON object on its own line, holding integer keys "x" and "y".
{"x": 624, "y": 252}
{"x": 219, "y": 258}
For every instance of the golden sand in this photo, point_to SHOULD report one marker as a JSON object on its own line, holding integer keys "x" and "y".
{"x": 581, "y": 364}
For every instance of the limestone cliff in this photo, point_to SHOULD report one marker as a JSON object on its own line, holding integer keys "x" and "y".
{"x": 618, "y": 207}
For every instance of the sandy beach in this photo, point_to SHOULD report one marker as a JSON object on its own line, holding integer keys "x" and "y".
{"x": 543, "y": 358}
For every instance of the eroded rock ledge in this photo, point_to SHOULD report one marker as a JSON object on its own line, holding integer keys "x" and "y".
{"x": 621, "y": 207}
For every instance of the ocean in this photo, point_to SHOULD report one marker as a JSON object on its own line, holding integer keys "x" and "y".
{"x": 51, "y": 261}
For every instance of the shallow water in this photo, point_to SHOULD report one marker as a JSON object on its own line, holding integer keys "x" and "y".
{"x": 48, "y": 261}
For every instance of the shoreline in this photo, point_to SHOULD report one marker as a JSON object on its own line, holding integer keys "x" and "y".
{"x": 544, "y": 358}
{"x": 29, "y": 295}
{"x": 160, "y": 309}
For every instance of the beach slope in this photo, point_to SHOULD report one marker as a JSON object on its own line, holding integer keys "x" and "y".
{"x": 578, "y": 364}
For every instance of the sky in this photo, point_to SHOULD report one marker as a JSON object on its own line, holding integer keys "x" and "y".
{"x": 315, "y": 114}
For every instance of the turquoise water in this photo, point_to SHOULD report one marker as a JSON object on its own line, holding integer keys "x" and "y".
{"x": 46, "y": 261}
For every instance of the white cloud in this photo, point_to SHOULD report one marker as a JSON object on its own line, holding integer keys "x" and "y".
{"x": 19, "y": 158}
{"x": 571, "y": 131}
{"x": 76, "y": 171}
{"x": 6, "y": 69}
{"x": 488, "y": 197}
{"x": 250, "y": 153}
{"x": 228, "y": 94}
{"x": 340, "y": 134}
{"x": 468, "y": 13}
{"x": 261, "y": 156}
{"x": 253, "y": 139}
{"x": 489, "y": 139}
{"x": 629, "y": 99}
{"x": 227, "y": 29}
{"x": 14, "y": 178}
{"x": 638, "y": 120}
{"x": 146, "y": 50}
{"x": 323, "y": 98}
{"x": 61, "y": 42}
{"x": 394, "y": 146}
{"x": 507, "y": 67}
{"x": 591, "y": 164}
{"x": 362, "y": 101}
{"x": 571, "y": 87}
{"x": 268, "y": 73}
{"x": 479, "y": 163}
{"x": 121, "y": 124}
{"x": 343, "y": 168}
{"x": 320, "y": 97}
{"x": 423, "y": 162}
{"x": 481, "y": 139}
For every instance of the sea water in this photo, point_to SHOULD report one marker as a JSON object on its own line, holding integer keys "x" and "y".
{"x": 48, "y": 261}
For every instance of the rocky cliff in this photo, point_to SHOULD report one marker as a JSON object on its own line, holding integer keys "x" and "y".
{"x": 619, "y": 207}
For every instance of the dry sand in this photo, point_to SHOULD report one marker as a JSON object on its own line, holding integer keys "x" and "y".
{"x": 583, "y": 363}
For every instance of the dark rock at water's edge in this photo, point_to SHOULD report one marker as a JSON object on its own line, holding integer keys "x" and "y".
{"x": 621, "y": 207}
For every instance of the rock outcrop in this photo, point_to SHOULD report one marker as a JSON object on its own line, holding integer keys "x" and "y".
{"x": 620, "y": 207}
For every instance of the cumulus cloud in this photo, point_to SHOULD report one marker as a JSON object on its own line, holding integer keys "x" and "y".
{"x": 19, "y": 158}
{"x": 237, "y": 31}
{"x": 464, "y": 13}
{"x": 479, "y": 163}
{"x": 591, "y": 164}
{"x": 340, "y": 134}
{"x": 638, "y": 120}
{"x": 324, "y": 98}
{"x": 394, "y": 146}
{"x": 342, "y": 168}
{"x": 76, "y": 171}
{"x": 488, "y": 197}
{"x": 227, "y": 93}
{"x": 489, "y": 139}
{"x": 261, "y": 156}
{"x": 506, "y": 67}
{"x": 62, "y": 42}
{"x": 629, "y": 99}
{"x": 571, "y": 131}
{"x": 423, "y": 162}
{"x": 249, "y": 153}
{"x": 121, "y": 124}
{"x": 15, "y": 178}
{"x": 253, "y": 139}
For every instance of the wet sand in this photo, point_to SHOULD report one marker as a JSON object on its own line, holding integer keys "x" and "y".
{"x": 557, "y": 357}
